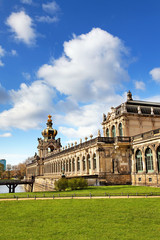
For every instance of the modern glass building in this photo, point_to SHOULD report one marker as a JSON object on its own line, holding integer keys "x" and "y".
{"x": 3, "y": 161}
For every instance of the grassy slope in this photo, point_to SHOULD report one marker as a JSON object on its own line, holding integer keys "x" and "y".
{"x": 96, "y": 191}
{"x": 123, "y": 219}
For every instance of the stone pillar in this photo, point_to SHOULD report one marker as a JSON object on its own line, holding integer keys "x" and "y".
{"x": 155, "y": 161}
{"x": 75, "y": 165}
{"x": 81, "y": 164}
{"x": 91, "y": 159}
{"x": 117, "y": 130}
{"x": 110, "y": 131}
{"x": 87, "y": 170}
{"x": 71, "y": 166}
{"x": 143, "y": 160}
{"x": 98, "y": 161}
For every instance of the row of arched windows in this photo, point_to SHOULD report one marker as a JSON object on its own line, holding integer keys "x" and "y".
{"x": 70, "y": 165}
{"x": 113, "y": 131}
{"x": 148, "y": 160}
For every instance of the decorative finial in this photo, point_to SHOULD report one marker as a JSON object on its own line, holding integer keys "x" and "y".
{"x": 129, "y": 96}
{"x": 91, "y": 136}
{"x": 99, "y": 133}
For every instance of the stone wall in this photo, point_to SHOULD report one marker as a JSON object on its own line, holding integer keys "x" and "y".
{"x": 118, "y": 179}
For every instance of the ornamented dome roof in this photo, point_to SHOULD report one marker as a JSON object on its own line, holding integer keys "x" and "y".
{"x": 49, "y": 132}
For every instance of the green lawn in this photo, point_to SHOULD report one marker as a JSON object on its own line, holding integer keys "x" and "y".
{"x": 95, "y": 191}
{"x": 102, "y": 219}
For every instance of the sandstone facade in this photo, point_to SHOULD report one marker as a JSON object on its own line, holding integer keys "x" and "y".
{"x": 128, "y": 152}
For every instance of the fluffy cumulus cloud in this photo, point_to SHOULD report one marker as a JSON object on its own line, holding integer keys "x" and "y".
{"x": 50, "y": 7}
{"x": 31, "y": 104}
{"x": 140, "y": 85}
{"x": 85, "y": 79}
{"x": 21, "y": 25}
{"x": 155, "y": 73}
{"x": 90, "y": 70}
{"x": 91, "y": 67}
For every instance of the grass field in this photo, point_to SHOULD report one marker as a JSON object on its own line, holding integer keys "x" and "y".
{"x": 114, "y": 219}
{"x": 95, "y": 191}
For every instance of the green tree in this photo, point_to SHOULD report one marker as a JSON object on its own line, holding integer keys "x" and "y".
{"x": 1, "y": 169}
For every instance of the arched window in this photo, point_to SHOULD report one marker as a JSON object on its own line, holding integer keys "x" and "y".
{"x": 113, "y": 131}
{"x": 149, "y": 160}
{"x": 67, "y": 166}
{"x": 120, "y": 130}
{"x": 78, "y": 164}
{"x": 89, "y": 161}
{"x": 107, "y": 132}
{"x": 139, "y": 162}
{"x": 70, "y": 165}
{"x": 73, "y": 165}
{"x": 63, "y": 166}
{"x": 158, "y": 158}
{"x": 84, "y": 163}
{"x": 94, "y": 161}
{"x": 59, "y": 166}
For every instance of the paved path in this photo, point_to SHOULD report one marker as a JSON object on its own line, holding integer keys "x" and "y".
{"x": 62, "y": 198}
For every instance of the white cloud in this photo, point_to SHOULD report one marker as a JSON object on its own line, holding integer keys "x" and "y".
{"x": 4, "y": 96}
{"x": 50, "y": 7}
{"x": 85, "y": 79}
{"x": 14, "y": 52}
{"x": 140, "y": 85}
{"x": 155, "y": 73}
{"x": 29, "y": 2}
{"x": 26, "y": 75}
{"x": 86, "y": 120}
{"x": 31, "y": 104}
{"x": 1, "y": 63}
{"x": 22, "y": 26}
{"x": 46, "y": 19}
{"x": 5, "y": 135}
{"x": 2, "y": 53}
{"x": 91, "y": 67}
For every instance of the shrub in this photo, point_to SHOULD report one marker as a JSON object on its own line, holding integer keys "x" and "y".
{"x": 82, "y": 183}
{"x": 77, "y": 183}
{"x": 61, "y": 184}
{"x": 73, "y": 183}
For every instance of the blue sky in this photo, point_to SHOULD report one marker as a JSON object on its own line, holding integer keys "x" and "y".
{"x": 73, "y": 60}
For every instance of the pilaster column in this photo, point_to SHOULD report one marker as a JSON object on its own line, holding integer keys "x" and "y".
{"x": 116, "y": 127}
{"x": 97, "y": 161}
{"x": 110, "y": 131}
{"x": 86, "y": 163}
{"x": 91, "y": 157}
{"x": 81, "y": 164}
{"x": 75, "y": 165}
{"x": 71, "y": 166}
{"x": 155, "y": 161}
{"x": 144, "y": 161}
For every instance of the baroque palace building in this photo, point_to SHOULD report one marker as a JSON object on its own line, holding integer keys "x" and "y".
{"x": 127, "y": 153}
